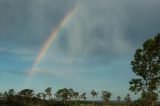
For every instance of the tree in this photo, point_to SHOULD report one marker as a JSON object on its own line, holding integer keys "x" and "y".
{"x": 64, "y": 94}
{"x": 1, "y": 95}
{"x": 5, "y": 95}
{"x": 1, "y": 98}
{"x": 146, "y": 65}
{"x": 70, "y": 93}
{"x": 48, "y": 92}
{"x": 39, "y": 95}
{"x": 118, "y": 100}
{"x": 11, "y": 92}
{"x": 144, "y": 97}
{"x": 44, "y": 96}
{"x": 94, "y": 93}
{"x": 106, "y": 96}
{"x": 27, "y": 93}
{"x": 58, "y": 95}
{"x": 75, "y": 95}
{"x": 127, "y": 99}
{"x": 10, "y": 97}
{"x": 83, "y": 96}
{"x": 26, "y": 96}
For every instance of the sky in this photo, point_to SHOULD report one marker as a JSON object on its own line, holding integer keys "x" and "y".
{"x": 92, "y": 49}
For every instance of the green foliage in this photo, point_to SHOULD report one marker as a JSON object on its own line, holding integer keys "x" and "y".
{"x": 44, "y": 96}
{"x": 146, "y": 96}
{"x": 64, "y": 94}
{"x": 26, "y": 93}
{"x": 146, "y": 65}
{"x": 48, "y": 92}
{"x": 106, "y": 96}
{"x": 127, "y": 99}
{"x": 11, "y": 92}
{"x": 83, "y": 96}
{"x": 94, "y": 93}
{"x": 118, "y": 98}
{"x": 39, "y": 95}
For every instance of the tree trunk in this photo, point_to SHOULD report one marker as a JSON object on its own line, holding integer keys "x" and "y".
{"x": 93, "y": 100}
{"x": 152, "y": 103}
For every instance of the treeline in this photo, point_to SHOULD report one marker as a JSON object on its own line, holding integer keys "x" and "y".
{"x": 63, "y": 97}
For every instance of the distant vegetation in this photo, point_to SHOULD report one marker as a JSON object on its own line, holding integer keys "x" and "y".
{"x": 63, "y": 97}
{"x": 146, "y": 65}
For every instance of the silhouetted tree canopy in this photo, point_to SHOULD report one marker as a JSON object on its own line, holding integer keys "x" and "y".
{"x": 146, "y": 65}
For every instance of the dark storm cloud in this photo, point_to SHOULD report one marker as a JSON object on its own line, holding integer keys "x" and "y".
{"x": 110, "y": 29}
{"x": 104, "y": 29}
{"x": 97, "y": 30}
{"x": 26, "y": 23}
{"x": 143, "y": 20}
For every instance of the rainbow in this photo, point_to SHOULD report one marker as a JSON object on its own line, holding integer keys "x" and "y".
{"x": 50, "y": 39}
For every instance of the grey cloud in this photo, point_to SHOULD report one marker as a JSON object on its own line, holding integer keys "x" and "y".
{"x": 143, "y": 20}
{"x": 28, "y": 23}
{"x": 104, "y": 29}
{"x": 96, "y": 30}
{"x": 110, "y": 29}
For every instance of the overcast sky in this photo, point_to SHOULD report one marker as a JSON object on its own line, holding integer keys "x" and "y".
{"x": 93, "y": 50}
